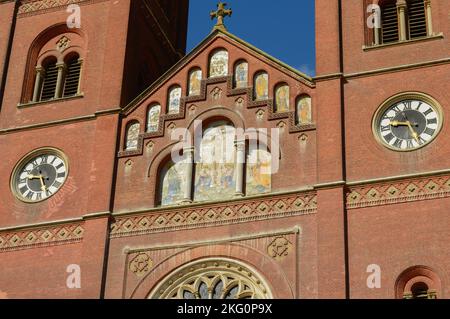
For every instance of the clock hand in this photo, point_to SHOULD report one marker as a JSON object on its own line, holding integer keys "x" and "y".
{"x": 43, "y": 187}
{"x": 414, "y": 133}
{"x": 41, "y": 178}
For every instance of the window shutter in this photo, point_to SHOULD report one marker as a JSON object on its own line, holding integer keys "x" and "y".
{"x": 417, "y": 19}
{"x": 389, "y": 18}
{"x": 49, "y": 86}
{"x": 72, "y": 78}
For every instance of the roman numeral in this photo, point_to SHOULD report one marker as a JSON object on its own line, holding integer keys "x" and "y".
{"x": 429, "y": 131}
{"x": 418, "y": 106}
{"x": 23, "y": 189}
{"x": 385, "y": 128}
{"x": 30, "y": 195}
{"x": 38, "y": 196}
{"x": 409, "y": 144}
{"x": 396, "y": 109}
{"x": 427, "y": 112}
{"x": 44, "y": 159}
{"x": 432, "y": 121}
{"x": 398, "y": 143}
{"x": 60, "y": 165}
{"x": 61, "y": 175}
{"x": 408, "y": 105}
{"x": 57, "y": 184}
{"x": 389, "y": 137}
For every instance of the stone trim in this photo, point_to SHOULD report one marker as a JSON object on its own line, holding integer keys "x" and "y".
{"x": 395, "y": 192}
{"x": 235, "y": 212}
{"x": 41, "y": 237}
{"x": 33, "y": 7}
{"x": 60, "y": 122}
{"x": 397, "y": 68}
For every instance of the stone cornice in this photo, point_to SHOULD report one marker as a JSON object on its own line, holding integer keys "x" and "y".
{"x": 61, "y": 122}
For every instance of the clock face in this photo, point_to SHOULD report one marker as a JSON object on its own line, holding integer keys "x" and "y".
{"x": 40, "y": 177}
{"x": 408, "y": 125}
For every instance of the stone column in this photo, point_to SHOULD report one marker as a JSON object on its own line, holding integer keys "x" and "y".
{"x": 401, "y": 9}
{"x": 376, "y": 28}
{"x": 80, "y": 60}
{"x": 240, "y": 161}
{"x": 189, "y": 164}
{"x": 60, "y": 81}
{"x": 429, "y": 17}
{"x": 40, "y": 73}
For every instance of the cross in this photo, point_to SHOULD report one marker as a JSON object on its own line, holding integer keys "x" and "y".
{"x": 220, "y": 14}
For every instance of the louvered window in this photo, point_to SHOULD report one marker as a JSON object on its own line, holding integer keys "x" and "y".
{"x": 73, "y": 69}
{"x": 50, "y": 80}
{"x": 417, "y": 19}
{"x": 389, "y": 18}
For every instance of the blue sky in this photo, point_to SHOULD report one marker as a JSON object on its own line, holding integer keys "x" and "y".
{"x": 282, "y": 28}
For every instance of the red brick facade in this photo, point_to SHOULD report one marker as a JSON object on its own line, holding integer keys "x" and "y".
{"x": 340, "y": 202}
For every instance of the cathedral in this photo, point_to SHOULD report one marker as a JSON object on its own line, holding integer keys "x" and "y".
{"x": 134, "y": 170}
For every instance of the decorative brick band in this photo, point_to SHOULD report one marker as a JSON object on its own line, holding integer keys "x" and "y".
{"x": 213, "y": 215}
{"x": 398, "y": 191}
{"x": 48, "y": 236}
{"x": 30, "y": 7}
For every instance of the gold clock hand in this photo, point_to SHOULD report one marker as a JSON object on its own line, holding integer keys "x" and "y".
{"x": 414, "y": 133}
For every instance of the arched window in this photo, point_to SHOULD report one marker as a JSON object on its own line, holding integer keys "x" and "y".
{"x": 195, "y": 81}
{"x": 54, "y": 66}
{"x": 218, "y": 64}
{"x": 215, "y": 169}
{"x": 259, "y": 170}
{"x": 282, "y": 98}
{"x": 132, "y": 136}
{"x": 174, "y": 102}
{"x": 241, "y": 75}
{"x": 303, "y": 112}
{"x": 261, "y": 86}
{"x": 72, "y": 76}
{"x": 213, "y": 279}
{"x": 418, "y": 282}
{"x": 49, "y": 80}
{"x": 153, "y": 115}
{"x": 172, "y": 183}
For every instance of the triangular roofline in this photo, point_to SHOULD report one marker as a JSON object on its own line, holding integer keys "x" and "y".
{"x": 281, "y": 66}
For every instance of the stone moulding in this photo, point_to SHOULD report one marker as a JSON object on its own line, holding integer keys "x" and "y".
{"x": 40, "y": 237}
{"x": 31, "y": 7}
{"x": 401, "y": 191}
{"x": 214, "y": 215}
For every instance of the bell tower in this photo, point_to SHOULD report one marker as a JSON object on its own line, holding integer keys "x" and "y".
{"x": 67, "y": 68}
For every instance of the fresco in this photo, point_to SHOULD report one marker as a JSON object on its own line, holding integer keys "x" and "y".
{"x": 262, "y": 86}
{"x": 173, "y": 182}
{"x": 259, "y": 177}
{"x": 133, "y": 136}
{"x": 215, "y": 169}
{"x": 218, "y": 65}
{"x": 241, "y": 75}
{"x": 174, "y": 100}
{"x": 304, "y": 110}
{"x": 195, "y": 81}
{"x": 282, "y": 99}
